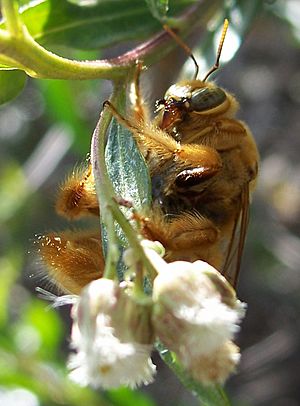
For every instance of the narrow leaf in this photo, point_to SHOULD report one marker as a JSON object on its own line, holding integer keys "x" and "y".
{"x": 127, "y": 168}
{"x": 129, "y": 174}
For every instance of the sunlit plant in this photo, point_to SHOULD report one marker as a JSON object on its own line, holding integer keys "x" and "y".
{"x": 121, "y": 317}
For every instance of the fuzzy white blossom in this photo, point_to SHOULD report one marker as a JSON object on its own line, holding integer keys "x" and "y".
{"x": 193, "y": 311}
{"x": 196, "y": 314}
{"x": 103, "y": 357}
{"x": 190, "y": 307}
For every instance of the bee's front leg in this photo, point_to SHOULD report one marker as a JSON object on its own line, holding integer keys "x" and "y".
{"x": 223, "y": 134}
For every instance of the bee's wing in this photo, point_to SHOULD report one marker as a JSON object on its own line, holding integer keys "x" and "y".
{"x": 235, "y": 247}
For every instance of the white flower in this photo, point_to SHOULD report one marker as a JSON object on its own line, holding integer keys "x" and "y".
{"x": 188, "y": 306}
{"x": 103, "y": 358}
{"x": 195, "y": 308}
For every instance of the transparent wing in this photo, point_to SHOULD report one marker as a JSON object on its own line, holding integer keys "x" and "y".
{"x": 232, "y": 264}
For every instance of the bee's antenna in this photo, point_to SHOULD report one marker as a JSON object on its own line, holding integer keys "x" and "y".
{"x": 183, "y": 46}
{"x": 217, "y": 63}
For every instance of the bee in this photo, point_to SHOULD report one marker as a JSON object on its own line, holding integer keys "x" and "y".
{"x": 203, "y": 164}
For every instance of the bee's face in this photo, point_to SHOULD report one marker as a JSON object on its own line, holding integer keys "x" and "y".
{"x": 188, "y": 98}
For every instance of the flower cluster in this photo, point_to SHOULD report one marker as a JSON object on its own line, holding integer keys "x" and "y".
{"x": 193, "y": 311}
{"x": 110, "y": 351}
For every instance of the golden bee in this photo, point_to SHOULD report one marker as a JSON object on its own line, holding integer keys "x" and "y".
{"x": 203, "y": 164}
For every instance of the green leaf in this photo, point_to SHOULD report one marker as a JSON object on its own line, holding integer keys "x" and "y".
{"x": 11, "y": 84}
{"x": 158, "y": 8}
{"x": 127, "y": 168}
{"x": 58, "y": 22}
{"x": 208, "y": 395}
{"x": 129, "y": 174}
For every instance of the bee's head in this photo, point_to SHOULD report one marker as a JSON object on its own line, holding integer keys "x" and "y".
{"x": 195, "y": 96}
{"x": 202, "y": 98}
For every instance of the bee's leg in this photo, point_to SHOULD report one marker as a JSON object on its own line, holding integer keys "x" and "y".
{"x": 140, "y": 112}
{"x": 191, "y": 229}
{"x": 121, "y": 119}
{"x": 226, "y": 134}
{"x": 73, "y": 258}
{"x": 77, "y": 195}
{"x": 197, "y": 163}
{"x": 223, "y": 134}
{"x": 187, "y": 237}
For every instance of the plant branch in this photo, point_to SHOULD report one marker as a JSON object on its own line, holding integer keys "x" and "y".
{"x": 25, "y": 53}
{"x": 104, "y": 191}
{"x": 9, "y": 9}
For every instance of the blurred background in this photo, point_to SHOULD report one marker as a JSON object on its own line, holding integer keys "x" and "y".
{"x": 42, "y": 140}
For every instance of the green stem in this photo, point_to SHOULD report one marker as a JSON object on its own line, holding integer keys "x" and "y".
{"x": 138, "y": 289}
{"x": 9, "y": 9}
{"x": 133, "y": 241}
{"x": 105, "y": 193}
{"x": 26, "y": 54}
{"x": 113, "y": 254}
{"x": 40, "y": 63}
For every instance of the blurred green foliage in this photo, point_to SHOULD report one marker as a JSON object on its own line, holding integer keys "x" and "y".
{"x": 12, "y": 83}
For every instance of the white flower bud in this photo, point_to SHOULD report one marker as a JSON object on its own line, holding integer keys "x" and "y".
{"x": 150, "y": 247}
{"x": 189, "y": 315}
{"x": 107, "y": 354}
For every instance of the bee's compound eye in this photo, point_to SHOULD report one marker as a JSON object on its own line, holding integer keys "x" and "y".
{"x": 207, "y": 98}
